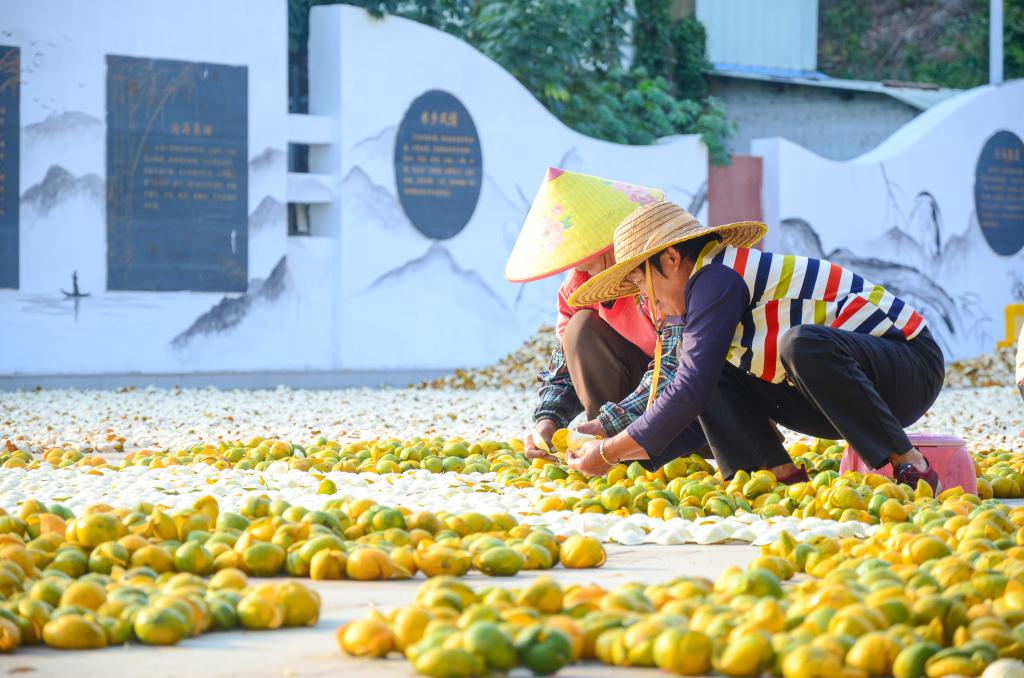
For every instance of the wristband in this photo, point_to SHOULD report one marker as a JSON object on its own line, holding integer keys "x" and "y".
{"x": 600, "y": 451}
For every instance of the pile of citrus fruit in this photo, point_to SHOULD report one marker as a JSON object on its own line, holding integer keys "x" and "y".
{"x": 687, "y": 487}
{"x": 355, "y": 539}
{"x": 136, "y": 604}
{"x": 1000, "y": 472}
{"x": 943, "y": 595}
{"x": 936, "y": 587}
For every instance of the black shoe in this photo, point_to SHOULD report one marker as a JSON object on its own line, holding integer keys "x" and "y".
{"x": 909, "y": 475}
{"x": 798, "y": 476}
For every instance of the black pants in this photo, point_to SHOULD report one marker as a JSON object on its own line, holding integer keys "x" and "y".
{"x": 605, "y": 366}
{"x": 840, "y": 384}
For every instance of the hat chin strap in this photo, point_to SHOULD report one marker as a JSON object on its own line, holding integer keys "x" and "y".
{"x": 658, "y": 321}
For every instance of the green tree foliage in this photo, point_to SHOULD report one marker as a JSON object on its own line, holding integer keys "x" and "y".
{"x": 673, "y": 48}
{"x": 944, "y": 42}
{"x": 573, "y": 55}
{"x": 557, "y": 49}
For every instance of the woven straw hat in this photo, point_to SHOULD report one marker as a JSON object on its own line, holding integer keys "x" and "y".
{"x": 570, "y": 221}
{"x": 648, "y": 231}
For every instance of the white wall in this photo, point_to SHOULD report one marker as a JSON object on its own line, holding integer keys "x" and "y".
{"x": 903, "y": 214}
{"x": 367, "y": 290}
{"x": 63, "y": 116}
{"x": 403, "y": 300}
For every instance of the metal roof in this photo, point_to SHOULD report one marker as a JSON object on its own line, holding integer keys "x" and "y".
{"x": 917, "y": 95}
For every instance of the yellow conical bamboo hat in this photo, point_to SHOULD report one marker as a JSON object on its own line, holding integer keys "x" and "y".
{"x": 572, "y": 219}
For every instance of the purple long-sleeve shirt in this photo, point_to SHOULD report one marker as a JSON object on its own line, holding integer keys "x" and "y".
{"x": 716, "y": 298}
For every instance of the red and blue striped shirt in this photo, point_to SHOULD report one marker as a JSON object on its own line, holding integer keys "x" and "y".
{"x": 788, "y": 290}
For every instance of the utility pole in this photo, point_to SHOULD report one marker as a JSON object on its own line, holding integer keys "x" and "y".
{"x": 995, "y": 42}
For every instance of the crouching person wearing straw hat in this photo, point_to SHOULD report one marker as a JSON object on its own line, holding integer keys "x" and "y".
{"x": 601, "y": 364}
{"x": 767, "y": 337}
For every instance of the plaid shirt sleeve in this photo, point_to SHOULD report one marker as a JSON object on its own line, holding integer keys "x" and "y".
{"x": 615, "y": 417}
{"x": 558, "y": 399}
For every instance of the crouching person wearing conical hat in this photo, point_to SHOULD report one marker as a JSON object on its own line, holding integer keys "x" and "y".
{"x": 767, "y": 337}
{"x": 602, "y": 363}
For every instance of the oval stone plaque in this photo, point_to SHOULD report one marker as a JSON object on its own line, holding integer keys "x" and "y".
{"x": 438, "y": 165}
{"x": 999, "y": 192}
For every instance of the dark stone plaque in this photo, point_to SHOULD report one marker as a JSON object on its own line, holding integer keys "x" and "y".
{"x": 10, "y": 138}
{"x": 999, "y": 192}
{"x": 177, "y": 175}
{"x": 438, "y": 165}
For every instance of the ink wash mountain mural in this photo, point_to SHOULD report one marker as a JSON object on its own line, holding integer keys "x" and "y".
{"x": 70, "y": 312}
{"x": 904, "y": 215}
{"x": 449, "y": 290}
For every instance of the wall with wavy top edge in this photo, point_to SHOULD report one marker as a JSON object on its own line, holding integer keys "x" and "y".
{"x": 904, "y": 215}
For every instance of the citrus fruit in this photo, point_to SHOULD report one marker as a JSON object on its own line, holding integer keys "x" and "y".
{"x": 70, "y": 561}
{"x": 448, "y": 662}
{"x": 747, "y": 655}
{"x": 543, "y": 650}
{"x": 257, "y": 612}
{"x": 160, "y": 626}
{"x": 154, "y": 557}
{"x": 487, "y": 641}
{"x": 581, "y": 552}
{"x": 367, "y": 564}
{"x": 301, "y": 604}
{"x": 925, "y": 548}
{"x": 228, "y": 578}
{"x": 327, "y": 564}
{"x": 223, "y": 616}
{"x": 94, "y": 529}
{"x": 873, "y": 653}
{"x": 911, "y": 660}
{"x": 536, "y": 556}
{"x": 409, "y": 626}
{"x": 365, "y": 638}
{"x": 572, "y": 630}
{"x": 682, "y": 651}
{"x": 808, "y": 661}
{"x": 188, "y": 615}
{"x": 108, "y": 555}
{"x": 500, "y": 561}
{"x": 21, "y": 556}
{"x": 388, "y": 518}
{"x": 543, "y": 594}
{"x": 193, "y": 557}
{"x": 614, "y": 498}
{"x": 74, "y": 632}
{"x": 756, "y": 582}
{"x": 10, "y": 636}
{"x": 87, "y": 594}
{"x": 440, "y": 560}
{"x": 263, "y": 559}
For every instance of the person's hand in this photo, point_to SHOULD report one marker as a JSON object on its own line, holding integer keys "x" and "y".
{"x": 592, "y": 428}
{"x": 587, "y": 460}
{"x": 545, "y": 428}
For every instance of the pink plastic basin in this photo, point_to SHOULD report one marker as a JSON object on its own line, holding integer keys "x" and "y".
{"x": 946, "y": 454}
